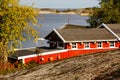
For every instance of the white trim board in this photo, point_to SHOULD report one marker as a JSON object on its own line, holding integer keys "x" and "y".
{"x": 42, "y": 54}
{"x": 59, "y": 35}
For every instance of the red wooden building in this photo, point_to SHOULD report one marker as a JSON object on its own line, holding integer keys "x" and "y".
{"x": 66, "y": 43}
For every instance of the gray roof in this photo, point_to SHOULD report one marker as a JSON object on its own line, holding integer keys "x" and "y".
{"x": 94, "y": 34}
{"x": 31, "y": 51}
{"x": 115, "y": 28}
{"x": 19, "y": 53}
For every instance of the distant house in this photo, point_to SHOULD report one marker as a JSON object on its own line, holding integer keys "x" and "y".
{"x": 66, "y": 43}
{"x": 85, "y": 38}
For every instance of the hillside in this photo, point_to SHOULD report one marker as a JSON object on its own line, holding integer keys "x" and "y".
{"x": 96, "y": 66}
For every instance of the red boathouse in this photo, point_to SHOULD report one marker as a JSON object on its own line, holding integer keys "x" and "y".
{"x": 66, "y": 43}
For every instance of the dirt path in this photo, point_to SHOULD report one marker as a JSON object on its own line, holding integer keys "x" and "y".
{"x": 97, "y": 66}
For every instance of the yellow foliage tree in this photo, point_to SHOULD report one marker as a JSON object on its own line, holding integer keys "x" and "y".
{"x": 15, "y": 24}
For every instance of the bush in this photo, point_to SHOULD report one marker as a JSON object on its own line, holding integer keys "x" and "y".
{"x": 6, "y": 68}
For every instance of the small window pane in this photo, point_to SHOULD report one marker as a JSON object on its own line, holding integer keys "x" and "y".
{"x": 99, "y": 44}
{"x": 86, "y": 45}
{"x": 111, "y": 44}
{"x": 74, "y": 45}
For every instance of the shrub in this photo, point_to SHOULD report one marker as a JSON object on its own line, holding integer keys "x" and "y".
{"x": 6, "y": 68}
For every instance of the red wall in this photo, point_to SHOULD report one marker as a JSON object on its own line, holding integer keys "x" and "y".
{"x": 63, "y": 55}
{"x": 106, "y": 44}
{"x": 80, "y": 45}
{"x": 71, "y": 53}
{"x": 117, "y": 44}
{"x": 67, "y": 46}
{"x": 92, "y": 45}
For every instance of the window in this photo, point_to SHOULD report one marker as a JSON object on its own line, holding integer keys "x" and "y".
{"x": 86, "y": 45}
{"x": 60, "y": 44}
{"x": 99, "y": 44}
{"x": 74, "y": 45}
{"x": 112, "y": 44}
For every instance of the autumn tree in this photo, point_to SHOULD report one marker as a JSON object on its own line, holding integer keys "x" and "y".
{"x": 15, "y": 25}
{"x": 109, "y": 12}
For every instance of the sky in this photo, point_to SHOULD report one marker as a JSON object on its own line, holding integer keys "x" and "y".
{"x": 60, "y": 3}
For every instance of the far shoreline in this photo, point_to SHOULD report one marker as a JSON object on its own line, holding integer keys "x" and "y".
{"x": 81, "y": 12}
{"x": 70, "y": 13}
{"x": 46, "y": 12}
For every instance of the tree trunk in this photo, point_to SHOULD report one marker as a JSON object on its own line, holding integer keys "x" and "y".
{"x": 5, "y": 57}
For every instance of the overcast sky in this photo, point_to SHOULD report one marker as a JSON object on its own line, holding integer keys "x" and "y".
{"x": 60, "y": 3}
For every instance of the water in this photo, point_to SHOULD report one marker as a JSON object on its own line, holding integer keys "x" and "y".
{"x": 50, "y": 21}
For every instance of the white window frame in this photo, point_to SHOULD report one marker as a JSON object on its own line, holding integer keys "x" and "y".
{"x": 86, "y": 45}
{"x": 74, "y": 45}
{"x": 113, "y": 45}
{"x": 99, "y": 45}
